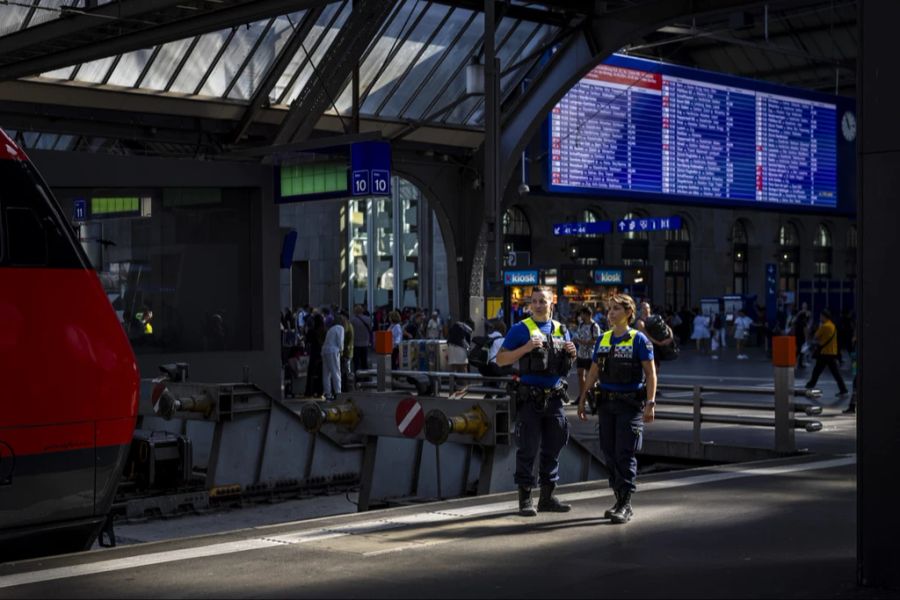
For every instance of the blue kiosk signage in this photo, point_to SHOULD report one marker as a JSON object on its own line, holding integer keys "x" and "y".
{"x": 520, "y": 278}
{"x": 608, "y": 276}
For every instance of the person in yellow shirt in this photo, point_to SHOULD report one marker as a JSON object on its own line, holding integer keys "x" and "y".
{"x": 825, "y": 353}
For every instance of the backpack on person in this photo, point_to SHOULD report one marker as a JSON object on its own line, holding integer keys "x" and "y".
{"x": 479, "y": 351}
{"x": 656, "y": 326}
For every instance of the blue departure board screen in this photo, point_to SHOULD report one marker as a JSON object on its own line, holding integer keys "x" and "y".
{"x": 634, "y": 128}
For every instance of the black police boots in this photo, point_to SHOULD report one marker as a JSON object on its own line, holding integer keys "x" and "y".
{"x": 549, "y": 502}
{"x": 609, "y": 512}
{"x": 623, "y": 513}
{"x": 526, "y": 506}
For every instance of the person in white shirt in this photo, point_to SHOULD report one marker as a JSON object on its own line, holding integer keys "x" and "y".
{"x": 741, "y": 332}
{"x": 331, "y": 360}
{"x": 433, "y": 328}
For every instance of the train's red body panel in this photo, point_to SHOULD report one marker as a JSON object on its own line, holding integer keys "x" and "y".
{"x": 68, "y": 378}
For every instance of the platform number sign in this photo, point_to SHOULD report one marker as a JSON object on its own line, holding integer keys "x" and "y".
{"x": 79, "y": 210}
{"x": 370, "y": 169}
{"x": 361, "y": 182}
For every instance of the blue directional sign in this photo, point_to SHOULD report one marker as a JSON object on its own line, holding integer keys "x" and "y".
{"x": 648, "y": 224}
{"x": 608, "y": 276}
{"x": 79, "y": 210}
{"x": 771, "y": 292}
{"x": 582, "y": 228}
{"x": 370, "y": 169}
{"x": 520, "y": 278}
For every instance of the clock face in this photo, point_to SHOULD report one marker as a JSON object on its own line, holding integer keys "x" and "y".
{"x": 848, "y": 126}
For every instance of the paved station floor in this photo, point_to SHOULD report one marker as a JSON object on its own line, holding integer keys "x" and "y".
{"x": 782, "y": 528}
{"x": 775, "y": 529}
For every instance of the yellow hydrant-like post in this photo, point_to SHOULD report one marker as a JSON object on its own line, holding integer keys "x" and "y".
{"x": 438, "y": 426}
{"x": 314, "y": 415}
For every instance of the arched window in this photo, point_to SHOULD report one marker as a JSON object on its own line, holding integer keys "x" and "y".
{"x": 635, "y": 245}
{"x": 516, "y": 233}
{"x": 788, "y": 257}
{"x": 822, "y": 252}
{"x": 678, "y": 267}
{"x": 739, "y": 246}
{"x": 852, "y": 244}
{"x": 588, "y": 248}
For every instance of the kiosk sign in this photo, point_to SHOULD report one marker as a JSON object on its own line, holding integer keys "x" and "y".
{"x": 520, "y": 278}
{"x": 608, "y": 276}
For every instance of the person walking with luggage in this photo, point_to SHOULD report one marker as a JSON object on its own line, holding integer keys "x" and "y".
{"x": 825, "y": 353}
{"x": 545, "y": 353}
{"x": 623, "y": 364}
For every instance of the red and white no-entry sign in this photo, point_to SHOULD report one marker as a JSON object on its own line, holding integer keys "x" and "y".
{"x": 410, "y": 417}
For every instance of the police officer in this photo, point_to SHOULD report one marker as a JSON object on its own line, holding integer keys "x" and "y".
{"x": 623, "y": 363}
{"x": 546, "y": 354}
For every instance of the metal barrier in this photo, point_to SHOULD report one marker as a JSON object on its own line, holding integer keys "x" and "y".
{"x": 784, "y": 421}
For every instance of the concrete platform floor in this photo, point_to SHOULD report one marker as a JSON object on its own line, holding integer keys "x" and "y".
{"x": 783, "y": 528}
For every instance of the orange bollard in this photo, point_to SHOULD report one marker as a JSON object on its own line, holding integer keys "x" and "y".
{"x": 384, "y": 342}
{"x": 784, "y": 351}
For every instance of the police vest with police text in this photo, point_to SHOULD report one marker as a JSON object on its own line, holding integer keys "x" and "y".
{"x": 551, "y": 358}
{"x": 619, "y": 364}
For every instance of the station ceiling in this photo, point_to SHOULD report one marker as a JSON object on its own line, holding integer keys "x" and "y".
{"x": 230, "y": 78}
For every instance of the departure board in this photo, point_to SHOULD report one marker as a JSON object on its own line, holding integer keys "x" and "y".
{"x": 634, "y": 127}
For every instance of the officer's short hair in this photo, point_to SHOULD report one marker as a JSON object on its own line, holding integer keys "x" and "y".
{"x": 542, "y": 288}
{"x": 626, "y": 302}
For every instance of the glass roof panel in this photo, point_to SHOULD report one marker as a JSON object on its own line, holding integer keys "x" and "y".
{"x": 130, "y": 67}
{"x": 47, "y": 10}
{"x": 325, "y": 42}
{"x": 46, "y": 141}
{"x": 428, "y": 61}
{"x": 65, "y": 142}
{"x": 165, "y": 63}
{"x": 328, "y": 13}
{"x": 526, "y": 38}
{"x": 432, "y": 96}
{"x": 95, "y": 71}
{"x": 12, "y": 18}
{"x": 63, "y": 73}
{"x": 381, "y": 51}
{"x": 226, "y": 68}
{"x": 264, "y": 57}
{"x": 417, "y": 43}
{"x": 198, "y": 63}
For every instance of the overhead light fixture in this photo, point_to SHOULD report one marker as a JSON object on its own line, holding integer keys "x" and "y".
{"x": 475, "y": 77}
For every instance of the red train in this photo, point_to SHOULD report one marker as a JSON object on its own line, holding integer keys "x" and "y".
{"x": 68, "y": 377}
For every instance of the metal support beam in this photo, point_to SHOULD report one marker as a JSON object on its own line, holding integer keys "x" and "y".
{"x": 260, "y": 99}
{"x": 331, "y": 73}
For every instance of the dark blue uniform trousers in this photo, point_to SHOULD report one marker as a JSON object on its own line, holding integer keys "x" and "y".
{"x": 621, "y": 431}
{"x": 547, "y": 429}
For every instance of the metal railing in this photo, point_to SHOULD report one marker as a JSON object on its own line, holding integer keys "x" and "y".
{"x": 784, "y": 421}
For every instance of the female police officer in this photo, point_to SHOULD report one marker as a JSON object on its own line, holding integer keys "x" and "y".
{"x": 545, "y": 354}
{"x": 623, "y": 362}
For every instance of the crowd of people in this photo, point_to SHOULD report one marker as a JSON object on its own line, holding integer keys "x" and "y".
{"x": 329, "y": 345}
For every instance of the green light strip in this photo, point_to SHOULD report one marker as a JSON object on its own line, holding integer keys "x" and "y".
{"x": 115, "y": 205}
{"x": 314, "y": 178}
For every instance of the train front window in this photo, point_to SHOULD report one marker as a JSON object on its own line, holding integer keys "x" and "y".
{"x": 32, "y": 231}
